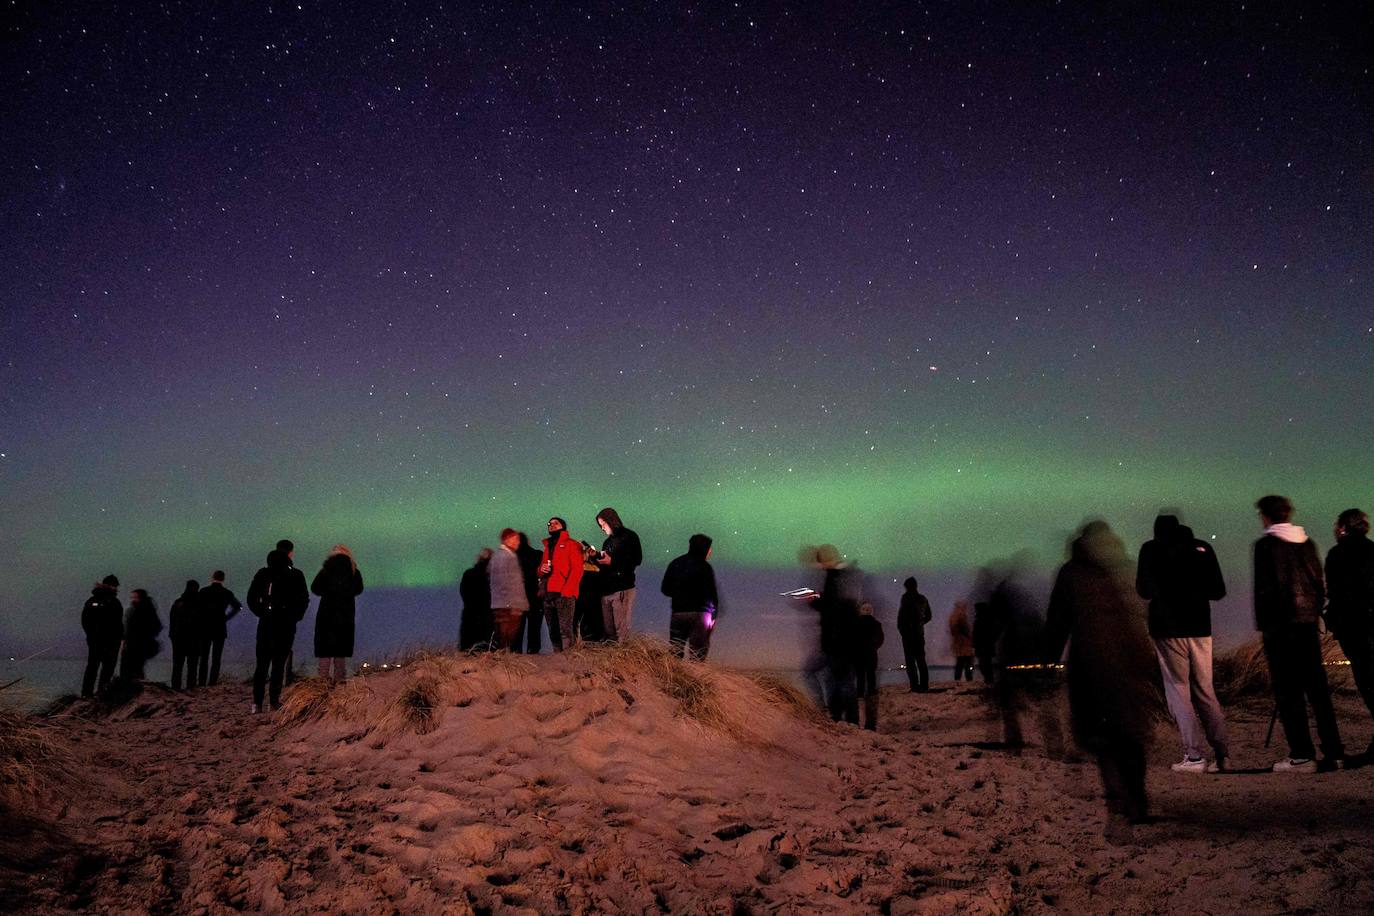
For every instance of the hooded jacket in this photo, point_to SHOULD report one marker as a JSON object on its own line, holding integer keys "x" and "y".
{"x": 102, "y": 618}
{"x": 622, "y": 546}
{"x": 279, "y": 599}
{"x": 1180, "y": 577}
{"x": 690, "y": 582}
{"x": 565, "y": 577}
{"x": 912, "y": 616}
{"x": 1350, "y": 585}
{"x": 1288, "y": 579}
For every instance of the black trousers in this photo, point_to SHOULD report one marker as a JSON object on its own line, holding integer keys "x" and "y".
{"x": 1358, "y": 646}
{"x": 531, "y": 628}
{"x": 916, "y": 671}
{"x": 102, "y": 659}
{"x": 180, "y": 657}
{"x": 689, "y": 635}
{"x": 208, "y": 675}
{"x": 1294, "y": 653}
{"x": 963, "y": 667}
{"x": 271, "y": 664}
{"x": 1122, "y": 764}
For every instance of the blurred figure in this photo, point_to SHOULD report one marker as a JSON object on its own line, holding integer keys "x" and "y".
{"x": 868, "y": 639}
{"x": 279, "y": 599}
{"x": 102, "y": 620}
{"x": 561, "y": 569}
{"x": 587, "y": 617}
{"x": 690, "y": 584}
{"x": 213, "y": 600}
{"x": 474, "y": 588}
{"x": 1113, "y": 675}
{"x": 961, "y": 641}
{"x": 338, "y": 585}
{"x": 141, "y": 626}
{"x": 533, "y": 622}
{"x": 1350, "y": 592}
{"x": 1013, "y": 629}
{"x": 1289, "y": 595}
{"x": 509, "y": 601}
{"x": 186, "y": 634}
{"x": 620, "y": 555}
{"x": 912, "y": 618}
{"x": 1180, "y": 577}
{"x": 985, "y": 633}
{"x": 837, "y": 603}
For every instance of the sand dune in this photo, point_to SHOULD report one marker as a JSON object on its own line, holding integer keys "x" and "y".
{"x": 619, "y": 782}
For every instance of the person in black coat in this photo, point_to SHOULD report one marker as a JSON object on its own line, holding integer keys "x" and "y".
{"x": 217, "y": 606}
{"x": 533, "y": 621}
{"x": 141, "y": 627}
{"x": 475, "y": 625}
{"x": 1289, "y": 595}
{"x": 587, "y": 617}
{"x": 1113, "y": 676}
{"x": 837, "y": 603}
{"x": 1350, "y": 600}
{"x": 102, "y": 620}
{"x": 338, "y": 584}
{"x": 620, "y": 555}
{"x": 279, "y": 599}
{"x": 912, "y": 617}
{"x": 186, "y": 634}
{"x": 689, "y": 582}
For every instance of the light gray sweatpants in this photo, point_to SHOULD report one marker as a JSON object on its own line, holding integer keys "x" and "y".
{"x": 1187, "y": 668}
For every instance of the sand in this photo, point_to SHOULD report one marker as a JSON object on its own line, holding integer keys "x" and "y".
{"x": 552, "y": 785}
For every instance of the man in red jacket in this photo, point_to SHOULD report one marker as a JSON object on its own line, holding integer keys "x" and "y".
{"x": 561, "y": 569}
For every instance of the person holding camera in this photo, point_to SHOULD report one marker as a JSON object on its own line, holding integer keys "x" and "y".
{"x": 620, "y": 555}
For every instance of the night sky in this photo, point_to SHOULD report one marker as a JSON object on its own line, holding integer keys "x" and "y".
{"x": 931, "y": 282}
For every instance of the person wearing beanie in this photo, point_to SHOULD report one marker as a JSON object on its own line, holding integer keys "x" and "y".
{"x": 1289, "y": 595}
{"x": 689, "y": 582}
{"x": 561, "y": 569}
{"x": 102, "y": 620}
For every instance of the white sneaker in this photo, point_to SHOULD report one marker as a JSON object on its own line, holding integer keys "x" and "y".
{"x": 1190, "y": 765}
{"x": 1295, "y": 765}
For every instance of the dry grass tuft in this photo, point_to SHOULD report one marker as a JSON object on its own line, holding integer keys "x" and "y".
{"x": 1243, "y": 672}
{"x": 780, "y": 691}
{"x": 416, "y": 708}
{"x": 31, "y": 757}
{"x": 314, "y": 699}
{"x": 693, "y": 685}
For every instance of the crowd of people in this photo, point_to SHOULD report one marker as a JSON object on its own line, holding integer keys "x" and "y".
{"x": 509, "y": 596}
{"x": 1134, "y": 636}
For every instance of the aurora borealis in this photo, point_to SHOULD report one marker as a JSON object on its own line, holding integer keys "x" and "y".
{"x": 930, "y": 282}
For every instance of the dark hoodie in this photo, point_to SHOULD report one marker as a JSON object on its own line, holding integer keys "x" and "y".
{"x": 278, "y": 598}
{"x": 213, "y": 601}
{"x": 1180, "y": 577}
{"x": 184, "y": 627}
{"x": 102, "y": 618}
{"x": 1350, "y": 584}
{"x": 690, "y": 581}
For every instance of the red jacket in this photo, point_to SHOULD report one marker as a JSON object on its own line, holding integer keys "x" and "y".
{"x": 566, "y": 576}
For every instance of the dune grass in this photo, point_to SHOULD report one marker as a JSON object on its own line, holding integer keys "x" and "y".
{"x": 313, "y": 699}
{"x": 1243, "y": 673}
{"x": 32, "y": 758}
